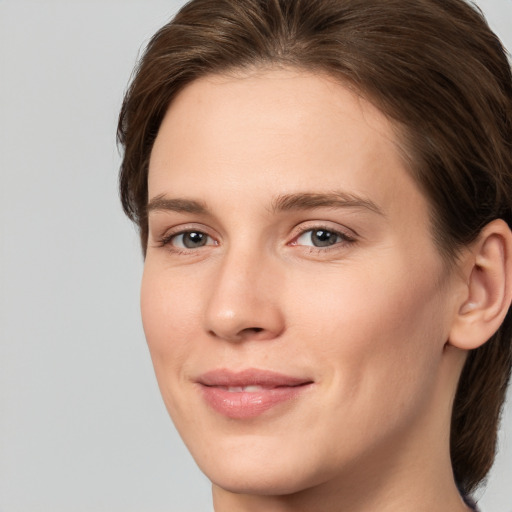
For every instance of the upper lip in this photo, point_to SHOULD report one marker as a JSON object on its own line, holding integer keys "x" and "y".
{"x": 250, "y": 377}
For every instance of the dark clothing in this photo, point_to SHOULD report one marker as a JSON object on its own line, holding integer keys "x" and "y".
{"x": 470, "y": 503}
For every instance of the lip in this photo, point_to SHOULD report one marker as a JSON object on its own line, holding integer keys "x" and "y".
{"x": 249, "y": 393}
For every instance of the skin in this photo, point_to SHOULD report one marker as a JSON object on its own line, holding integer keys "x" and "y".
{"x": 367, "y": 319}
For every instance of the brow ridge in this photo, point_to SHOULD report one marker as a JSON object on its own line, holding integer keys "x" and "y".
{"x": 180, "y": 205}
{"x": 282, "y": 203}
{"x": 311, "y": 200}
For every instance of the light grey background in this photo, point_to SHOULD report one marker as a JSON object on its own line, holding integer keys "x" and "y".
{"x": 82, "y": 426}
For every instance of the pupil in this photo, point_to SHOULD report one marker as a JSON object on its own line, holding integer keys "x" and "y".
{"x": 323, "y": 238}
{"x": 194, "y": 239}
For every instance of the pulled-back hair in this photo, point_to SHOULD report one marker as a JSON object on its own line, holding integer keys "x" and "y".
{"x": 432, "y": 66}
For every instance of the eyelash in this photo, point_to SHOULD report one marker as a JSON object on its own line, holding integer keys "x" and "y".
{"x": 166, "y": 241}
{"x": 344, "y": 240}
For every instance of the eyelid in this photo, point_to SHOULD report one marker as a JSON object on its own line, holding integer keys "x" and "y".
{"x": 304, "y": 227}
{"x": 348, "y": 235}
{"x": 172, "y": 240}
{"x": 165, "y": 239}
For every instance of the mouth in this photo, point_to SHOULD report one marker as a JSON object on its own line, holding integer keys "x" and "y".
{"x": 243, "y": 389}
{"x": 250, "y": 393}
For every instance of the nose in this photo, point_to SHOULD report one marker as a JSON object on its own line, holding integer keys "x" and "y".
{"x": 245, "y": 301}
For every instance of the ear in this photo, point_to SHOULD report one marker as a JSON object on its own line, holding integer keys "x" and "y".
{"x": 487, "y": 298}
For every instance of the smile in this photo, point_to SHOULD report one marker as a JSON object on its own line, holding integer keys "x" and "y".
{"x": 248, "y": 394}
{"x": 243, "y": 389}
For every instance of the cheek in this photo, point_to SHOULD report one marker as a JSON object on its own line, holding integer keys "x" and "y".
{"x": 377, "y": 343}
{"x": 171, "y": 319}
{"x": 374, "y": 329}
{"x": 168, "y": 316}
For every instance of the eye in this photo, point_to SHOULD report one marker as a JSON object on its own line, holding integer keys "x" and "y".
{"x": 189, "y": 240}
{"x": 320, "y": 237}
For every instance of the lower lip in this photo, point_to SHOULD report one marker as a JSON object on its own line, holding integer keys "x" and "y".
{"x": 243, "y": 405}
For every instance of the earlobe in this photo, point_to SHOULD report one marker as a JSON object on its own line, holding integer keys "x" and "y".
{"x": 489, "y": 287}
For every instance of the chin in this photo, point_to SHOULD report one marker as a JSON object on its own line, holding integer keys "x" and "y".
{"x": 260, "y": 467}
{"x": 271, "y": 481}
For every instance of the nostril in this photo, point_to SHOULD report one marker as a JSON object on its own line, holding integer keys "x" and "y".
{"x": 250, "y": 331}
{"x": 244, "y": 333}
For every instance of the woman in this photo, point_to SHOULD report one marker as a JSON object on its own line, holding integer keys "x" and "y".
{"x": 323, "y": 192}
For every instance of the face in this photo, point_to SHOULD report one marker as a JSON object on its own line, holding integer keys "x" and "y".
{"x": 294, "y": 304}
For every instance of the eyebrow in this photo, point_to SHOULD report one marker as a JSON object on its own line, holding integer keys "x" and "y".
{"x": 163, "y": 203}
{"x": 308, "y": 201}
{"x": 283, "y": 203}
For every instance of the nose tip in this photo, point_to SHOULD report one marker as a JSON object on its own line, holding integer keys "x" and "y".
{"x": 240, "y": 325}
{"x": 245, "y": 304}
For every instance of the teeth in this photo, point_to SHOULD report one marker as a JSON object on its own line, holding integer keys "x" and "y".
{"x": 244, "y": 389}
{"x": 252, "y": 389}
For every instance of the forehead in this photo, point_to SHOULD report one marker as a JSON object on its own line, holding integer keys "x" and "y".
{"x": 280, "y": 129}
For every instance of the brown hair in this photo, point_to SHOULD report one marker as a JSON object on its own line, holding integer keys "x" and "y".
{"x": 433, "y": 66}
